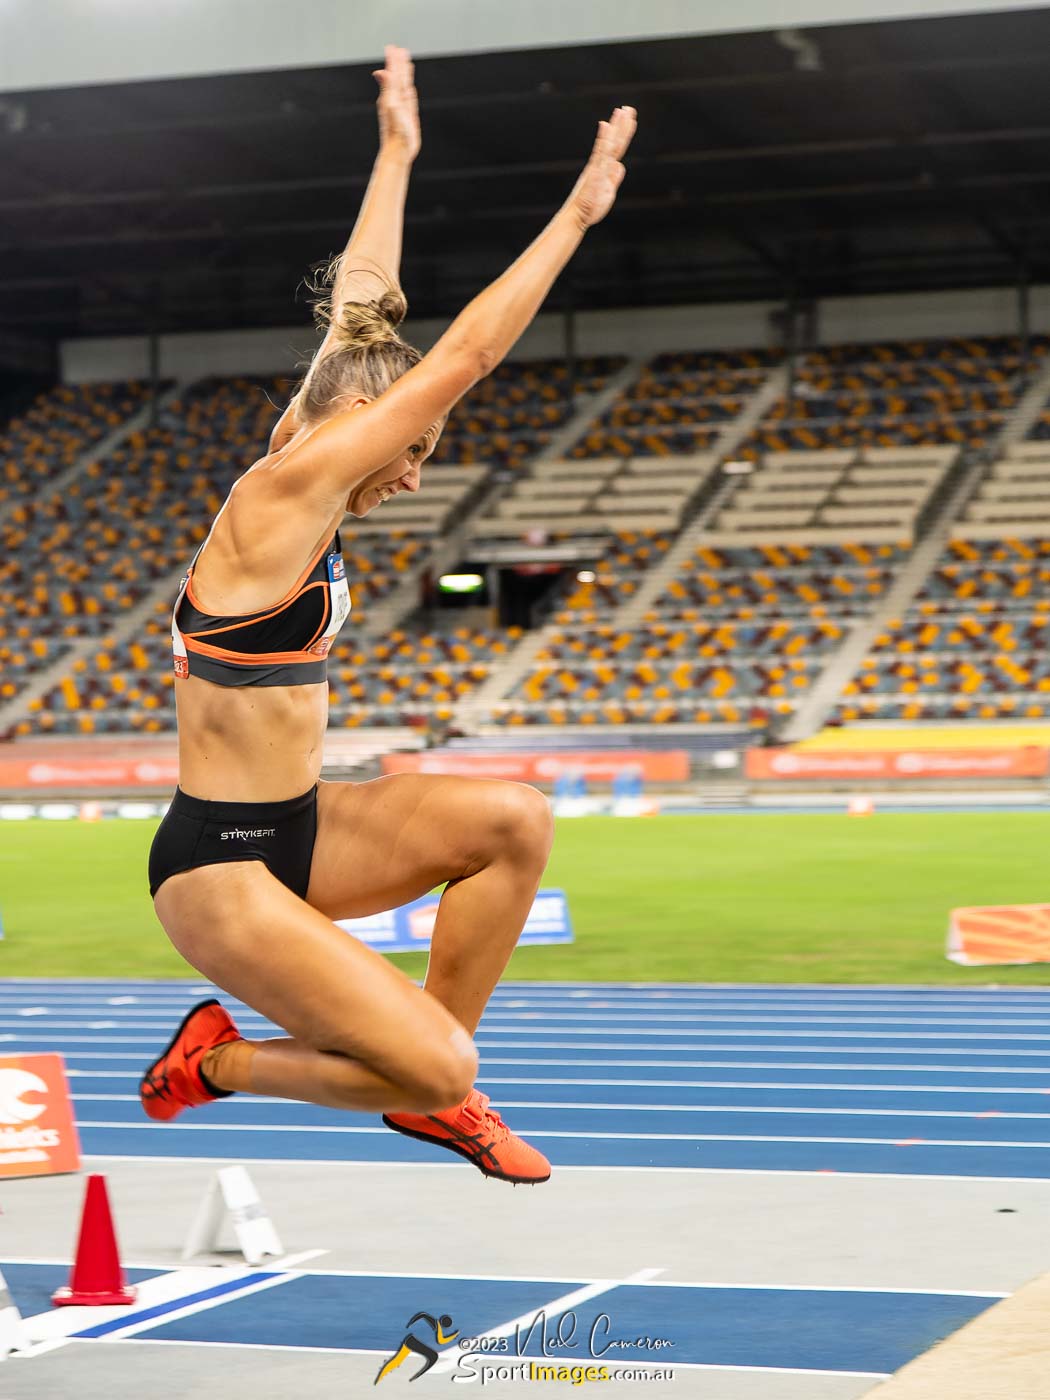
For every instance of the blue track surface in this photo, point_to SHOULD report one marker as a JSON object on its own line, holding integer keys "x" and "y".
{"x": 873, "y": 1080}
{"x": 884, "y": 1080}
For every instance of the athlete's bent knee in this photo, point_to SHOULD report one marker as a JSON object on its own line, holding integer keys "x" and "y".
{"x": 527, "y": 822}
{"x": 445, "y": 1072}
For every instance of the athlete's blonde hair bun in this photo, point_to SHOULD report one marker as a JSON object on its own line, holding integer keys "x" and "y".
{"x": 367, "y": 355}
{"x": 364, "y": 323}
{"x": 358, "y": 324}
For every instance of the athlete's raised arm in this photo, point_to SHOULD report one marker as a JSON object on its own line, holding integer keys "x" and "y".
{"x": 353, "y": 443}
{"x": 371, "y": 260}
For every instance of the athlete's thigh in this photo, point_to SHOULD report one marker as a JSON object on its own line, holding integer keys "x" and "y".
{"x": 255, "y": 939}
{"x": 383, "y": 843}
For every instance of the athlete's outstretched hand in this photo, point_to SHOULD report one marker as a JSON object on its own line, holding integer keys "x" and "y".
{"x": 595, "y": 190}
{"x": 398, "y": 105}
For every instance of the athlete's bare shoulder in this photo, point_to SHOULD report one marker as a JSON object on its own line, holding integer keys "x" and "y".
{"x": 261, "y": 538}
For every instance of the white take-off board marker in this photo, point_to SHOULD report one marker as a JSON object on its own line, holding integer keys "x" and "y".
{"x": 231, "y": 1195}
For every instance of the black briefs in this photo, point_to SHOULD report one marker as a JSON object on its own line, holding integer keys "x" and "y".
{"x": 195, "y": 833}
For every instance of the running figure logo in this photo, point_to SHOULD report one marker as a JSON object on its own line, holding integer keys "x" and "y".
{"x": 412, "y": 1345}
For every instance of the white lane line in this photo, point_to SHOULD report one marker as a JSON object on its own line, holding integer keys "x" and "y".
{"x": 616, "y": 1038}
{"x": 52, "y": 1329}
{"x": 830, "y": 1288}
{"x": 610, "y": 1043}
{"x": 173, "y": 986}
{"x": 650, "y": 1279}
{"x": 613, "y": 1043}
{"x": 994, "y": 1004}
{"x": 202, "y": 1305}
{"x": 523, "y": 1061}
{"x": 84, "y": 1039}
{"x": 366, "y": 1165}
{"x": 793, "y": 1086}
{"x": 909, "y": 993}
{"x": 586, "y": 1107}
{"x": 639, "y": 1025}
{"x": 991, "y": 1143}
{"x": 450, "y": 1356}
{"x": 523, "y": 987}
{"x": 58, "y": 1328}
{"x": 757, "y": 1035}
{"x": 848, "y": 1019}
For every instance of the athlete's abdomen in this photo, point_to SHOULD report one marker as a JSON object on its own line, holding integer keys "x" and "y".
{"x": 252, "y": 744}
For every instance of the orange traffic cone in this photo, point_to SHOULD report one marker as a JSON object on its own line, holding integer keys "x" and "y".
{"x": 97, "y": 1280}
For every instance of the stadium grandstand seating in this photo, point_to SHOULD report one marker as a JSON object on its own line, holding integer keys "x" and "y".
{"x": 418, "y": 674}
{"x": 678, "y": 404}
{"x": 776, "y": 580}
{"x": 1040, "y": 429}
{"x": 738, "y": 636}
{"x": 411, "y": 676}
{"x": 804, "y": 547}
{"x": 615, "y": 477}
{"x": 58, "y": 428}
{"x": 879, "y": 493}
{"x": 78, "y": 559}
{"x": 846, "y": 471}
{"x": 974, "y": 642}
{"x": 120, "y": 687}
{"x": 618, "y": 574}
{"x": 130, "y": 523}
{"x": 901, "y": 394}
{"x": 1013, "y": 498}
{"x": 599, "y": 495}
{"x": 511, "y": 415}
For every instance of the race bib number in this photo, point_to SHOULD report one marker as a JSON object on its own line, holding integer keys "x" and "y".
{"x": 178, "y": 646}
{"x": 339, "y": 591}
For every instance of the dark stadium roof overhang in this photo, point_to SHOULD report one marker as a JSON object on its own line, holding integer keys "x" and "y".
{"x": 847, "y": 160}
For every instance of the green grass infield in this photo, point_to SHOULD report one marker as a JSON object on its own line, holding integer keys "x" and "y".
{"x": 756, "y": 898}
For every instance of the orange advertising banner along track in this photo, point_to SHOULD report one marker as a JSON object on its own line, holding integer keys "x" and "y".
{"x": 38, "y": 1136}
{"x": 793, "y": 765}
{"x": 655, "y": 766}
{"x": 991, "y": 935}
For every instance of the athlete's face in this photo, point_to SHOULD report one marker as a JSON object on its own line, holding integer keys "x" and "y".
{"x": 402, "y": 474}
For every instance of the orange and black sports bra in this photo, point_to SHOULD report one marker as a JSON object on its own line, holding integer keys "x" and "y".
{"x": 286, "y": 644}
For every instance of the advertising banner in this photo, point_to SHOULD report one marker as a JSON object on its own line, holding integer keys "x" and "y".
{"x": 52, "y": 764}
{"x": 408, "y": 929}
{"x": 997, "y": 935}
{"x": 86, "y": 771}
{"x": 38, "y": 1136}
{"x": 599, "y": 766}
{"x": 97, "y": 765}
{"x": 793, "y": 765}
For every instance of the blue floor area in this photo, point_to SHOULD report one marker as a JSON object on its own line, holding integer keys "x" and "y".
{"x": 905, "y": 1080}
{"x": 805, "y": 1328}
{"x": 32, "y": 1285}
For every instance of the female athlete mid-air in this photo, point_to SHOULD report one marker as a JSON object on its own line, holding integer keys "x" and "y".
{"x": 257, "y": 855}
